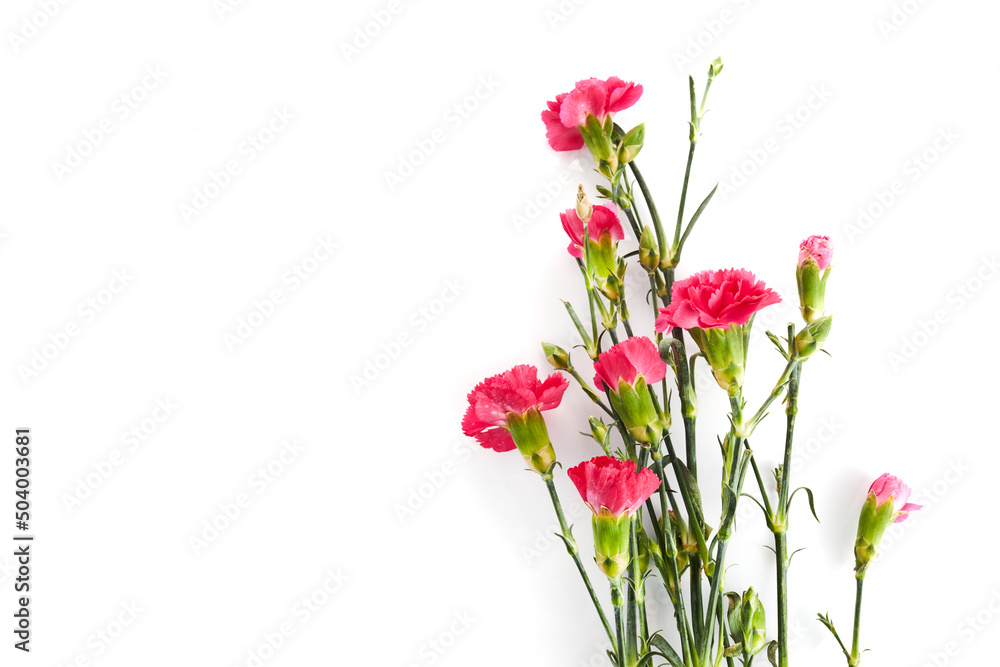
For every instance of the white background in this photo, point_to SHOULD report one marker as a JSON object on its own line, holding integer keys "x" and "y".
{"x": 410, "y": 525}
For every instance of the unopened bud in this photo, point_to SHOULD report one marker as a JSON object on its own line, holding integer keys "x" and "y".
{"x": 812, "y": 337}
{"x": 558, "y": 357}
{"x": 584, "y": 208}
{"x": 649, "y": 250}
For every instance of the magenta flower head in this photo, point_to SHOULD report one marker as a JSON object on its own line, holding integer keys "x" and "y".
{"x": 815, "y": 262}
{"x": 613, "y": 490}
{"x": 604, "y": 231}
{"x": 599, "y": 98}
{"x": 626, "y": 370}
{"x": 886, "y": 504}
{"x": 505, "y": 412}
{"x": 717, "y": 309}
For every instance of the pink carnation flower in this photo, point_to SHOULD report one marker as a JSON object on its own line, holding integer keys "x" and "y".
{"x": 886, "y": 487}
{"x": 627, "y": 361}
{"x": 568, "y": 111}
{"x": 817, "y": 248}
{"x": 715, "y": 300}
{"x": 603, "y": 220}
{"x": 614, "y": 485}
{"x": 516, "y": 390}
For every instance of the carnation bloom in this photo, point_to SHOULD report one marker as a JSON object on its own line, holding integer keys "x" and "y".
{"x": 887, "y": 503}
{"x": 889, "y": 487}
{"x": 597, "y": 97}
{"x": 603, "y": 227}
{"x": 626, "y": 370}
{"x": 613, "y": 490}
{"x": 626, "y": 361}
{"x": 613, "y": 486}
{"x": 815, "y": 262}
{"x": 505, "y": 412}
{"x": 716, "y": 307}
{"x": 715, "y": 299}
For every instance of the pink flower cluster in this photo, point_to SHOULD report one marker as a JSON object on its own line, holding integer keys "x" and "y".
{"x": 517, "y": 390}
{"x": 715, "y": 300}
{"x": 569, "y": 110}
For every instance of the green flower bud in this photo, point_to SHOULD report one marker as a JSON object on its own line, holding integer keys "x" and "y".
{"x": 631, "y": 143}
{"x": 715, "y": 68}
{"x": 747, "y": 622}
{"x": 649, "y": 250}
{"x": 558, "y": 357}
{"x": 532, "y": 440}
{"x": 812, "y": 337}
{"x": 599, "y": 430}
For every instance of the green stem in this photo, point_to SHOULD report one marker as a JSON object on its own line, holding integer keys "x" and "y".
{"x": 792, "y": 409}
{"x": 616, "y": 600}
{"x": 734, "y": 444}
{"x": 781, "y": 560}
{"x": 591, "y": 393}
{"x": 631, "y": 629}
{"x": 855, "y": 657}
{"x": 575, "y": 553}
{"x": 687, "y": 646}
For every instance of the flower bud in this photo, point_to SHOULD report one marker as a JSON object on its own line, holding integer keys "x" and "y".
{"x": 649, "y": 250}
{"x": 886, "y": 504}
{"x": 645, "y": 547}
{"x": 747, "y": 622}
{"x": 583, "y": 206}
{"x": 558, "y": 357}
{"x": 715, "y": 68}
{"x": 631, "y": 143}
{"x": 532, "y": 439}
{"x": 811, "y": 273}
{"x": 599, "y": 430}
{"x": 812, "y": 337}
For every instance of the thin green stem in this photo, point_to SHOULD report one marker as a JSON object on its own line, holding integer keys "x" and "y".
{"x": 590, "y": 392}
{"x": 791, "y": 410}
{"x": 631, "y": 603}
{"x": 781, "y": 560}
{"x": 855, "y": 657}
{"x": 616, "y": 599}
{"x": 575, "y": 553}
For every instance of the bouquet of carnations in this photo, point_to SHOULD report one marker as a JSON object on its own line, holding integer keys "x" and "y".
{"x": 645, "y": 490}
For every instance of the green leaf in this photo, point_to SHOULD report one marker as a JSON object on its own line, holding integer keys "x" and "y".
{"x": 772, "y": 653}
{"x": 812, "y": 505}
{"x": 733, "y": 651}
{"x": 697, "y": 214}
{"x": 777, "y": 343}
{"x": 691, "y": 485}
{"x": 667, "y": 650}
